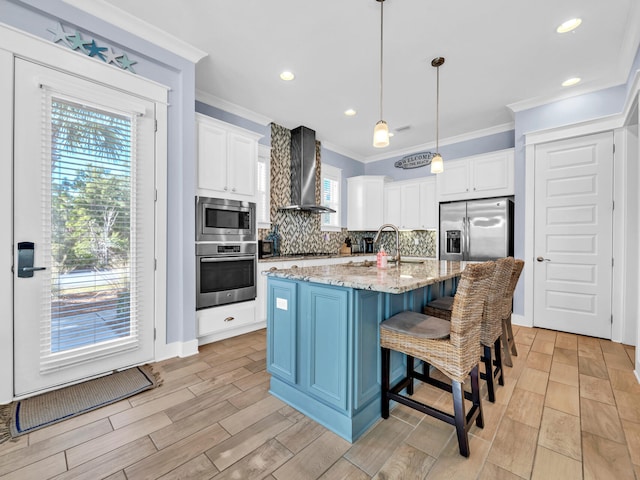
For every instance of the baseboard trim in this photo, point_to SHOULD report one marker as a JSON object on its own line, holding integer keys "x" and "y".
{"x": 176, "y": 349}
{"x": 520, "y": 320}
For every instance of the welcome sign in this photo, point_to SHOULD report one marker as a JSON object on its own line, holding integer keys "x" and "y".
{"x": 415, "y": 160}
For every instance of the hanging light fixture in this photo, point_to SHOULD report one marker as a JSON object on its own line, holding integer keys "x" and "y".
{"x": 381, "y": 130}
{"x": 437, "y": 164}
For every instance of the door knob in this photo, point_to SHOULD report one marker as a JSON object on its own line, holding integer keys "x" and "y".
{"x": 542, "y": 259}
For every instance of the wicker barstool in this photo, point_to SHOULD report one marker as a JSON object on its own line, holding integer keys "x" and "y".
{"x": 508, "y": 343}
{"x": 451, "y": 347}
{"x": 491, "y": 331}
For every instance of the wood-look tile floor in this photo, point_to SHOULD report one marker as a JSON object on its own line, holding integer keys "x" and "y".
{"x": 570, "y": 409}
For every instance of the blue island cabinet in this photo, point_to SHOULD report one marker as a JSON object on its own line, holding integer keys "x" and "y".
{"x": 323, "y": 350}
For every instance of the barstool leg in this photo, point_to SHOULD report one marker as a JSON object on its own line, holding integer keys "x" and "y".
{"x": 475, "y": 395}
{"x": 460, "y": 418}
{"x": 498, "y": 348}
{"x": 505, "y": 345}
{"x": 385, "y": 359}
{"x": 488, "y": 375}
{"x": 512, "y": 341}
{"x": 410, "y": 375}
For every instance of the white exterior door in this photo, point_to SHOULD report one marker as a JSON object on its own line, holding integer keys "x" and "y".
{"x": 573, "y": 235}
{"x": 84, "y": 202}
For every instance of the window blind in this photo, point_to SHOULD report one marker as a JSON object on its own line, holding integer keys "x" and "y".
{"x": 92, "y": 243}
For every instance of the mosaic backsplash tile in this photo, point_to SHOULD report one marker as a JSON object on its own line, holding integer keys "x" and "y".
{"x": 300, "y": 231}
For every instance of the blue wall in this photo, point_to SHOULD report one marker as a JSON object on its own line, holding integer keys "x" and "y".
{"x": 476, "y": 146}
{"x": 572, "y": 110}
{"x": 35, "y": 17}
{"x": 350, "y": 168}
{"x": 215, "y": 112}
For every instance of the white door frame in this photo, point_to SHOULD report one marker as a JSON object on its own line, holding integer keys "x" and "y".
{"x": 14, "y": 42}
{"x": 613, "y": 123}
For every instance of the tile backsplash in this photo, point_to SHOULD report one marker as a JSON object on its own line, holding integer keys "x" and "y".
{"x": 300, "y": 231}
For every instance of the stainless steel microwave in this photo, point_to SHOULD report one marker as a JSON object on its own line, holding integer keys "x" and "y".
{"x": 222, "y": 220}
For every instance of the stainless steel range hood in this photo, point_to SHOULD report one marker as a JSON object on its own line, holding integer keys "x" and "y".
{"x": 303, "y": 172}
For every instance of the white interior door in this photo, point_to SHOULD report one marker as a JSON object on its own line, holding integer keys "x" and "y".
{"x": 84, "y": 201}
{"x": 573, "y": 235}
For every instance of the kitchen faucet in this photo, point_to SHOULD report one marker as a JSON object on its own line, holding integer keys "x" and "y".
{"x": 396, "y": 258}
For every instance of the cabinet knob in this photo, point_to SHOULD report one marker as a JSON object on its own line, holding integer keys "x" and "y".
{"x": 233, "y": 189}
{"x": 225, "y": 188}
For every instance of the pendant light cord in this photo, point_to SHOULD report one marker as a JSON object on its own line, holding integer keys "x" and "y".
{"x": 437, "y": 107}
{"x": 381, "y": 56}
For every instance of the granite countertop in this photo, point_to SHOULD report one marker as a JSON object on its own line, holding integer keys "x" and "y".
{"x": 366, "y": 276}
{"x": 317, "y": 256}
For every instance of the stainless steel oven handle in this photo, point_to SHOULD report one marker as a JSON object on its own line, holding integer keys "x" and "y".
{"x": 235, "y": 258}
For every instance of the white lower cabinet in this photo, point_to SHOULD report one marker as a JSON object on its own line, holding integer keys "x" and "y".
{"x": 218, "y": 323}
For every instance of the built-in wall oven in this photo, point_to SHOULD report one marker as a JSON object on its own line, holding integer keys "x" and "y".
{"x": 226, "y": 251}
{"x": 225, "y": 273}
{"x": 222, "y": 220}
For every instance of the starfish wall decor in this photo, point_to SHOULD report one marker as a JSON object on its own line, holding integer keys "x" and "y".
{"x": 89, "y": 47}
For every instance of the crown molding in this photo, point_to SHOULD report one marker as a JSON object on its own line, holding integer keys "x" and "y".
{"x": 233, "y": 108}
{"x": 124, "y": 20}
{"x": 505, "y": 127}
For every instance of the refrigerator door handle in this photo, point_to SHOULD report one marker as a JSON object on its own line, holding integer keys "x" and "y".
{"x": 468, "y": 231}
{"x": 465, "y": 238}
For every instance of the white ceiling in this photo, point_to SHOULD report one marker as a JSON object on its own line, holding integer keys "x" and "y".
{"x": 499, "y": 53}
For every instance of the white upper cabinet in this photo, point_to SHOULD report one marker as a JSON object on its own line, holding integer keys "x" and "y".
{"x": 227, "y": 159}
{"x": 411, "y": 204}
{"x": 479, "y": 176}
{"x": 365, "y": 202}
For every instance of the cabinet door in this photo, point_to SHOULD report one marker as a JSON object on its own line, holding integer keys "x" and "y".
{"x": 428, "y": 205}
{"x": 212, "y": 157}
{"x": 492, "y": 174}
{"x": 453, "y": 183}
{"x": 393, "y": 204}
{"x": 324, "y": 335}
{"x": 242, "y": 156}
{"x": 373, "y": 204}
{"x": 410, "y": 206}
{"x": 282, "y": 329}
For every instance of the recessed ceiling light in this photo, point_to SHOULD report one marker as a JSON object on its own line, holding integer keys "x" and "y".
{"x": 350, "y": 112}
{"x": 571, "y": 82}
{"x": 287, "y": 76}
{"x": 569, "y": 25}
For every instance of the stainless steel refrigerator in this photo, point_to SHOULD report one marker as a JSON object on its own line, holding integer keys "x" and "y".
{"x": 476, "y": 229}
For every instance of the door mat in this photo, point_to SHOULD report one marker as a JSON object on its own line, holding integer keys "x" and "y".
{"x": 24, "y": 416}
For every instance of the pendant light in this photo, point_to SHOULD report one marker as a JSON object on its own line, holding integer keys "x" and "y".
{"x": 381, "y": 130}
{"x": 437, "y": 164}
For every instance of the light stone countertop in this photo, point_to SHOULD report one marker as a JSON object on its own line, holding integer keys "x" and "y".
{"x": 365, "y": 276}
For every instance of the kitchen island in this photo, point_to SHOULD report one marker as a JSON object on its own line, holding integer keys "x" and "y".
{"x": 323, "y": 350}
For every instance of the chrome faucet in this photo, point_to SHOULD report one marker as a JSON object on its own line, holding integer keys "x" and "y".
{"x": 396, "y": 258}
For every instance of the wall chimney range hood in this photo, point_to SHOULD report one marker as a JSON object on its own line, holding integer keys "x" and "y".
{"x": 303, "y": 172}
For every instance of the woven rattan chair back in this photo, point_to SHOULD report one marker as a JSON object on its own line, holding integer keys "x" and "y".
{"x": 466, "y": 318}
{"x": 493, "y": 308}
{"x": 507, "y": 303}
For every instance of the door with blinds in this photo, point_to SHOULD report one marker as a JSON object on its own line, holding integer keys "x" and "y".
{"x": 83, "y": 229}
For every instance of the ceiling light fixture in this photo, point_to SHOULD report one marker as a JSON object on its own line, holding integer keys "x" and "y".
{"x": 570, "y": 82}
{"x": 437, "y": 164}
{"x": 381, "y": 130}
{"x": 287, "y": 76}
{"x": 350, "y": 112}
{"x": 569, "y": 25}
